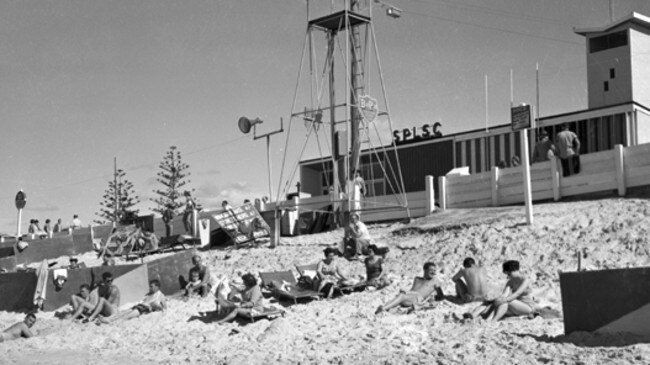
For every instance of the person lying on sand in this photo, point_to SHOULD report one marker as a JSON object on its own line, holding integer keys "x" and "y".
{"x": 515, "y": 301}
{"x": 329, "y": 272}
{"x": 84, "y": 302}
{"x": 421, "y": 290}
{"x": 252, "y": 300}
{"x": 471, "y": 282}
{"x": 109, "y": 298}
{"x": 20, "y": 329}
{"x": 154, "y": 301}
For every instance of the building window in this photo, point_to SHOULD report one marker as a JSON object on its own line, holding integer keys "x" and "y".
{"x": 608, "y": 41}
{"x": 606, "y": 85}
{"x": 612, "y": 73}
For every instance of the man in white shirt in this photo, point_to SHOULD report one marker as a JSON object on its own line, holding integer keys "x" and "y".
{"x": 76, "y": 222}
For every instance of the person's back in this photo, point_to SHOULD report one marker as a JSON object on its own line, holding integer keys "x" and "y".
{"x": 476, "y": 279}
{"x": 565, "y": 143}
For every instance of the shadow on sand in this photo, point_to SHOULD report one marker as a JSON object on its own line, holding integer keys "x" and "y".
{"x": 592, "y": 339}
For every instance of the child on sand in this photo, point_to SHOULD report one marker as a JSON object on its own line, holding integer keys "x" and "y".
{"x": 420, "y": 292}
{"x": 194, "y": 287}
{"x": 20, "y": 329}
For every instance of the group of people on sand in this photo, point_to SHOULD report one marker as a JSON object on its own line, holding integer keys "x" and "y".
{"x": 471, "y": 286}
{"x": 102, "y": 304}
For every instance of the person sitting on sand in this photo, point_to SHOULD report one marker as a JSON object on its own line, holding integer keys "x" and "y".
{"x": 421, "y": 290}
{"x": 471, "y": 282}
{"x": 153, "y": 301}
{"x": 84, "y": 302}
{"x": 194, "y": 287}
{"x": 108, "y": 302}
{"x": 375, "y": 275}
{"x": 20, "y": 329}
{"x": 357, "y": 237}
{"x": 252, "y": 300}
{"x": 515, "y": 301}
{"x": 74, "y": 264}
{"x": 204, "y": 275}
{"x": 329, "y": 273}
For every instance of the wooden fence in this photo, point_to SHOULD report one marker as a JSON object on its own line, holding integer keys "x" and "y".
{"x": 617, "y": 169}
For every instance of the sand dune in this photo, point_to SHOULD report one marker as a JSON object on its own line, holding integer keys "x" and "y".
{"x": 611, "y": 233}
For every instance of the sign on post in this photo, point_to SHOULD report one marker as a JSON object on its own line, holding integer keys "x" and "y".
{"x": 243, "y": 223}
{"x": 520, "y": 117}
{"x": 21, "y": 200}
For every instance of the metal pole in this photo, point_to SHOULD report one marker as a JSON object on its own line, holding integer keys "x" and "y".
{"x": 268, "y": 162}
{"x": 525, "y": 163}
{"x": 20, "y": 219}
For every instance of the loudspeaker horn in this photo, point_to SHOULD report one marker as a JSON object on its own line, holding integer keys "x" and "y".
{"x": 246, "y": 124}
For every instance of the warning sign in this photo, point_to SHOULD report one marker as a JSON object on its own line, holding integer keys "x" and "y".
{"x": 243, "y": 223}
{"x": 520, "y": 117}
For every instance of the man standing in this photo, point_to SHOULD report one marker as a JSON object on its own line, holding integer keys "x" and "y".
{"x": 544, "y": 148}
{"x": 20, "y": 329}
{"x": 471, "y": 282}
{"x": 568, "y": 147}
{"x": 58, "y": 227}
{"x": 76, "y": 222}
{"x": 168, "y": 217}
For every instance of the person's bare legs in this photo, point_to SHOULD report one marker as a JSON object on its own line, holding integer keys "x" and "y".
{"x": 402, "y": 299}
{"x": 80, "y": 308}
{"x": 461, "y": 290}
{"x": 232, "y": 315}
{"x": 104, "y": 307}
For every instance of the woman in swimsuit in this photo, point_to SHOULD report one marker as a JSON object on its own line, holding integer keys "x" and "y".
{"x": 328, "y": 272}
{"x": 374, "y": 271}
{"x": 516, "y": 299}
{"x": 252, "y": 300}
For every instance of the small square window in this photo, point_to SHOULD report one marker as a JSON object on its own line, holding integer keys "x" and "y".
{"x": 606, "y": 85}
{"x": 612, "y": 73}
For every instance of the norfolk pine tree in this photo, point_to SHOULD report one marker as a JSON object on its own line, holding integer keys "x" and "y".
{"x": 121, "y": 189}
{"x": 172, "y": 176}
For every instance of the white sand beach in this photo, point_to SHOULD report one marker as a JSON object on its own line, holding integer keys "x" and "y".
{"x": 612, "y": 233}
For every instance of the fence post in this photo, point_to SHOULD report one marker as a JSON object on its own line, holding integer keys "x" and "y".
{"x": 495, "y": 186}
{"x": 555, "y": 178}
{"x": 619, "y": 161}
{"x": 430, "y": 194}
{"x": 442, "y": 186}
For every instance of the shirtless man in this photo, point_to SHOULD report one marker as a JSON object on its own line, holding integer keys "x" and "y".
{"x": 154, "y": 301}
{"x": 20, "y": 329}
{"x": 109, "y": 298}
{"x": 83, "y": 302}
{"x": 471, "y": 282}
{"x": 422, "y": 289}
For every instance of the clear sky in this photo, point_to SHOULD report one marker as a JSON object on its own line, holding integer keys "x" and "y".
{"x": 84, "y": 81}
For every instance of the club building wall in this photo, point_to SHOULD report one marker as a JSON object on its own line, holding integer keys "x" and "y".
{"x": 618, "y": 78}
